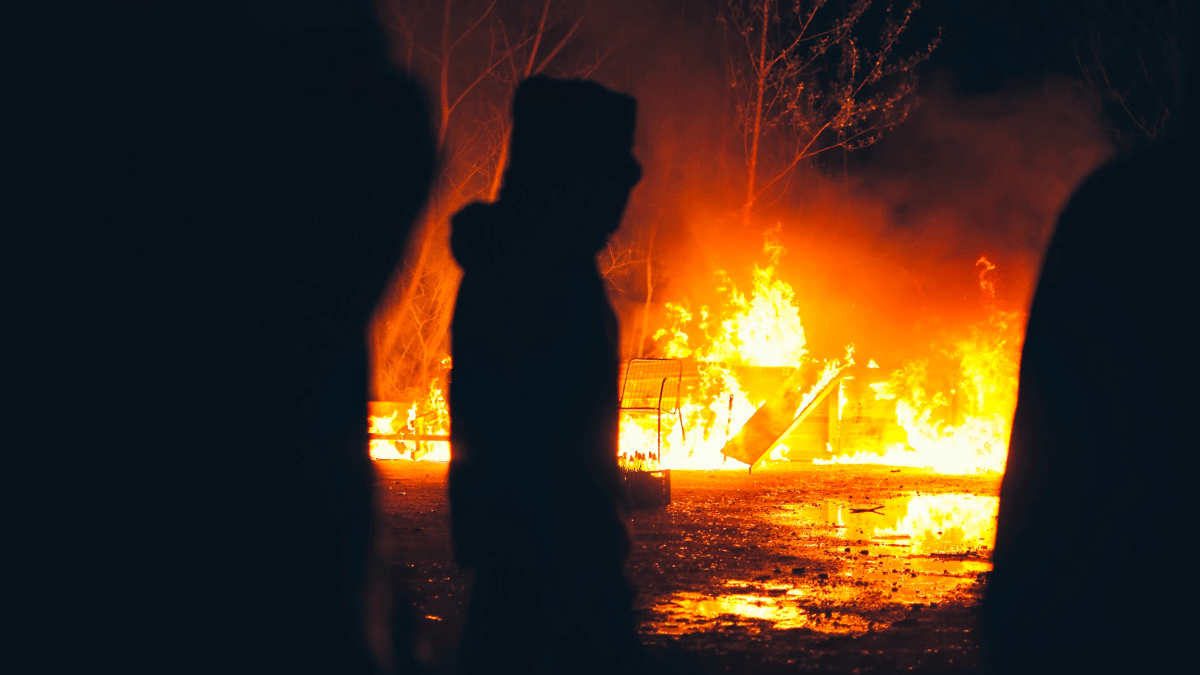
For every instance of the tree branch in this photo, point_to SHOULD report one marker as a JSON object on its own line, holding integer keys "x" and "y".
{"x": 483, "y": 15}
{"x": 554, "y": 52}
{"x": 538, "y": 38}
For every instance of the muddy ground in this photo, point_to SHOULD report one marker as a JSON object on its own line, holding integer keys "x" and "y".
{"x": 797, "y": 567}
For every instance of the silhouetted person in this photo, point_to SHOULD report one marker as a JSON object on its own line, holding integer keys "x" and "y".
{"x": 534, "y": 482}
{"x": 1097, "y": 496}
{"x": 270, "y": 164}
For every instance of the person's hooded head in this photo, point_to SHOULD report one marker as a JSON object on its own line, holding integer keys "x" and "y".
{"x": 569, "y": 173}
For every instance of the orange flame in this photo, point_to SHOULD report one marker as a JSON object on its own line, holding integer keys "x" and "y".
{"x": 965, "y": 429}
{"x": 960, "y": 428}
{"x": 429, "y": 416}
{"x": 986, "y": 284}
{"x": 762, "y": 328}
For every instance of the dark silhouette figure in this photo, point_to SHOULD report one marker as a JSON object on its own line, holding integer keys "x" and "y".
{"x": 534, "y": 482}
{"x": 267, "y": 163}
{"x": 1096, "y": 498}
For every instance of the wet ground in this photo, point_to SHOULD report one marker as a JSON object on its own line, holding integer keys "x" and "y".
{"x": 833, "y": 568}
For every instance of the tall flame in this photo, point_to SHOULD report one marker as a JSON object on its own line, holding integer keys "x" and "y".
{"x": 966, "y": 428}
{"x": 957, "y": 424}
{"x": 761, "y": 328}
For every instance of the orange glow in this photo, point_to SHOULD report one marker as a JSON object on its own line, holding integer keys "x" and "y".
{"x": 964, "y": 428}
{"x": 427, "y": 417}
{"x": 761, "y": 329}
{"x": 911, "y": 525}
{"x": 955, "y": 410}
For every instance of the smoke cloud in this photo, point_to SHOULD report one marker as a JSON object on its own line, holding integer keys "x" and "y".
{"x": 881, "y": 250}
{"x": 881, "y": 244}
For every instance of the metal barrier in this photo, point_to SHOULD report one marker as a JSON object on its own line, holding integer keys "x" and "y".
{"x": 653, "y": 386}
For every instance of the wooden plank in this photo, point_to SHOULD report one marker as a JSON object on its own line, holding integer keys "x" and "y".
{"x": 812, "y": 405}
{"x": 767, "y": 423}
{"x": 774, "y": 421}
{"x": 834, "y": 435}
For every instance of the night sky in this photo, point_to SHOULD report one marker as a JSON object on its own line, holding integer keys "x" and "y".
{"x": 988, "y": 45}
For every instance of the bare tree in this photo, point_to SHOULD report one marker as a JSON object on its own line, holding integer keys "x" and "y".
{"x": 804, "y": 74}
{"x": 472, "y": 54}
{"x": 651, "y": 233}
{"x": 1134, "y": 53}
{"x": 629, "y": 266}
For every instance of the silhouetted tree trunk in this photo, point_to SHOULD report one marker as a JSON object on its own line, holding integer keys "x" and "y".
{"x": 649, "y": 290}
{"x": 479, "y": 55}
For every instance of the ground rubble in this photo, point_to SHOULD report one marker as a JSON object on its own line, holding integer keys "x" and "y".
{"x": 837, "y": 569}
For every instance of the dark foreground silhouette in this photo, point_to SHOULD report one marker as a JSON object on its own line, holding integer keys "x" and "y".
{"x": 1097, "y": 498}
{"x": 534, "y": 480}
{"x": 274, "y": 163}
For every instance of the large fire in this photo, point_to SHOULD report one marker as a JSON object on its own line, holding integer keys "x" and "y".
{"x": 423, "y": 435}
{"x": 953, "y": 416}
{"x": 763, "y": 330}
{"x": 965, "y": 428}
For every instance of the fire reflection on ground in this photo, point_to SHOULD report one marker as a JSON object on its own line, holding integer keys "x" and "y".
{"x": 905, "y": 550}
{"x": 777, "y": 604}
{"x": 912, "y": 525}
{"x": 759, "y": 573}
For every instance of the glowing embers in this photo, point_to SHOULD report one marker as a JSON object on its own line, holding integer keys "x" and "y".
{"x": 777, "y": 606}
{"x": 959, "y": 525}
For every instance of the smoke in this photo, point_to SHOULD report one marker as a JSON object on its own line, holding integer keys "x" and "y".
{"x": 885, "y": 257}
{"x": 881, "y": 245}
{"x": 881, "y": 253}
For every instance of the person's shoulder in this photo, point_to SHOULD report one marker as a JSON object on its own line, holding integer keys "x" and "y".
{"x": 1131, "y": 199}
{"x": 1131, "y": 177}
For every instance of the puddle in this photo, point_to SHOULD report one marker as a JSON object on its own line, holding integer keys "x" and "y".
{"x": 916, "y": 549}
{"x": 778, "y": 605}
{"x": 921, "y": 582}
{"x": 914, "y": 525}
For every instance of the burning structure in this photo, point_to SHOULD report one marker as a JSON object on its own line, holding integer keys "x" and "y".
{"x": 879, "y": 320}
{"x": 745, "y": 391}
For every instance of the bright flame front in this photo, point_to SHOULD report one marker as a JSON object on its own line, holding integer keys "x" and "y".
{"x": 956, "y": 420}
